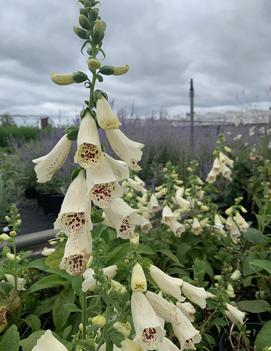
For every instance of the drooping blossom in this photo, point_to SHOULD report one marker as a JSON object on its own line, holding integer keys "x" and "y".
{"x": 90, "y": 282}
{"x": 169, "y": 285}
{"x": 102, "y": 184}
{"x": 47, "y": 165}
{"x": 20, "y": 282}
{"x": 128, "y": 150}
{"x": 138, "y": 279}
{"x": 195, "y": 294}
{"x": 123, "y": 218}
{"x": 148, "y": 328}
{"x": 88, "y": 153}
{"x": 119, "y": 167}
{"x": 106, "y": 117}
{"x": 48, "y": 342}
{"x": 234, "y": 314}
{"x": 74, "y": 215}
{"x": 188, "y": 336}
{"x": 77, "y": 254}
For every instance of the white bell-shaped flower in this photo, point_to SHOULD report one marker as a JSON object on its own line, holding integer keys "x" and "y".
{"x": 90, "y": 282}
{"x": 167, "y": 215}
{"x": 234, "y": 314}
{"x": 184, "y": 205}
{"x": 129, "y": 345}
{"x": 149, "y": 332}
{"x": 188, "y": 309}
{"x": 224, "y": 159}
{"x": 226, "y": 172}
{"x": 119, "y": 168}
{"x": 123, "y": 218}
{"x": 177, "y": 228}
{"x": 102, "y": 184}
{"x": 137, "y": 186}
{"x": 48, "y": 342}
{"x": 20, "y": 282}
{"x": 240, "y": 221}
{"x": 128, "y": 150}
{"x": 167, "y": 345}
{"x": 211, "y": 177}
{"x": 138, "y": 279}
{"x": 77, "y": 254}
{"x": 153, "y": 204}
{"x": 187, "y": 335}
{"x": 169, "y": 285}
{"x": 217, "y": 166}
{"x": 163, "y": 308}
{"x": 74, "y": 215}
{"x": 89, "y": 151}
{"x": 106, "y": 117}
{"x": 195, "y": 294}
{"x": 196, "y": 227}
{"x": 47, "y": 165}
{"x": 234, "y": 230}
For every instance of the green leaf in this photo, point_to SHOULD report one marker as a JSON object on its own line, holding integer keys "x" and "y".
{"x": 146, "y": 250}
{"x": 10, "y": 340}
{"x": 47, "y": 282}
{"x": 66, "y": 332}
{"x": 263, "y": 339}
{"x": 45, "y": 306}
{"x": 60, "y": 315}
{"x": 118, "y": 253}
{"x": 28, "y": 343}
{"x": 263, "y": 264}
{"x": 38, "y": 264}
{"x": 33, "y": 322}
{"x": 71, "y": 307}
{"x": 172, "y": 257}
{"x": 254, "y": 306}
{"x": 55, "y": 258}
{"x": 254, "y": 236}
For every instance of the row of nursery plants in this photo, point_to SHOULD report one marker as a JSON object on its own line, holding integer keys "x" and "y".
{"x": 134, "y": 268}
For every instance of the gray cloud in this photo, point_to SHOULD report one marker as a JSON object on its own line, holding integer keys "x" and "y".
{"x": 224, "y": 45}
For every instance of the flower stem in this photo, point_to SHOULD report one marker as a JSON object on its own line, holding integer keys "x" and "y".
{"x": 15, "y": 265}
{"x": 84, "y": 313}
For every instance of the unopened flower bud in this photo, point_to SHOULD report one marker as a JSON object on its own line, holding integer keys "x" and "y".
{"x": 84, "y": 22}
{"x": 13, "y": 234}
{"x": 118, "y": 287}
{"x": 135, "y": 240}
{"x": 93, "y": 64}
{"x": 98, "y": 31}
{"x": 8, "y": 219}
{"x": 19, "y": 222}
{"x": 99, "y": 321}
{"x": 5, "y": 237}
{"x": 236, "y": 275}
{"x": 123, "y": 328}
{"x": 138, "y": 280}
{"x": 81, "y": 32}
{"x": 81, "y": 326}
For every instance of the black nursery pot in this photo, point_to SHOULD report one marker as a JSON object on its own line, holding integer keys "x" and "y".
{"x": 224, "y": 344}
{"x": 31, "y": 193}
{"x": 51, "y": 203}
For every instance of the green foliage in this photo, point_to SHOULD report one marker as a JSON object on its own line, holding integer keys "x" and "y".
{"x": 10, "y": 340}
{"x": 21, "y": 134}
{"x": 263, "y": 340}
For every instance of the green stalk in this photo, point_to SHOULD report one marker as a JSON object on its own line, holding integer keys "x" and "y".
{"x": 15, "y": 265}
{"x": 84, "y": 314}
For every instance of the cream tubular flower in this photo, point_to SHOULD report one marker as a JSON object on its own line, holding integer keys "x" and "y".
{"x": 153, "y": 204}
{"x": 169, "y": 285}
{"x": 234, "y": 230}
{"x": 224, "y": 159}
{"x": 226, "y": 172}
{"x": 129, "y": 345}
{"x": 123, "y": 328}
{"x": 184, "y": 204}
{"x": 74, "y": 215}
{"x": 211, "y": 177}
{"x": 123, "y": 218}
{"x": 167, "y": 345}
{"x": 241, "y": 222}
{"x": 216, "y": 166}
{"x": 177, "y": 228}
{"x": 149, "y": 332}
{"x": 20, "y": 282}
{"x": 48, "y": 342}
{"x": 187, "y": 335}
{"x": 188, "y": 309}
{"x": 234, "y": 314}
{"x": 167, "y": 215}
{"x": 164, "y": 309}
{"x": 89, "y": 152}
{"x": 102, "y": 184}
{"x": 137, "y": 186}
{"x": 47, "y": 165}
{"x": 77, "y": 254}
{"x": 90, "y": 283}
{"x": 46, "y": 251}
{"x": 236, "y": 275}
{"x": 128, "y": 150}
{"x": 119, "y": 168}
{"x": 106, "y": 118}
{"x": 138, "y": 280}
{"x": 197, "y": 295}
{"x": 196, "y": 227}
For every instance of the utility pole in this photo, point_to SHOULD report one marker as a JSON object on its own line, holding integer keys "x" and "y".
{"x": 192, "y": 95}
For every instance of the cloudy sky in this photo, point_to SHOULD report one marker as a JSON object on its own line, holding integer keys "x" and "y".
{"x": 224, "y": 45}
